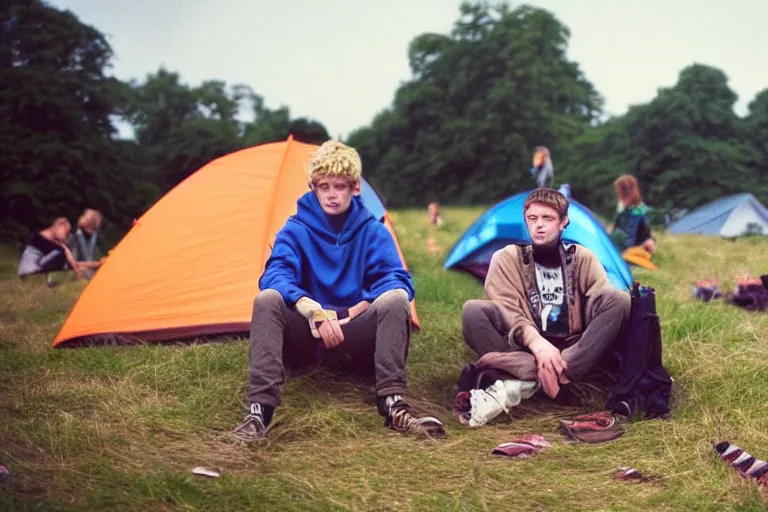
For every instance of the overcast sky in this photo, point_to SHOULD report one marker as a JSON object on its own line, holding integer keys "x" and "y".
{"x": 340, "y": 61}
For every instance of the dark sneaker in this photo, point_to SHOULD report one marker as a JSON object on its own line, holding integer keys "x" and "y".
{"x": 399, "y": 418}
{"x": 254, "y": 427}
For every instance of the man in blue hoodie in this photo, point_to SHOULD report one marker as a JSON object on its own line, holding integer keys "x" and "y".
{"x": 333, "y": 285}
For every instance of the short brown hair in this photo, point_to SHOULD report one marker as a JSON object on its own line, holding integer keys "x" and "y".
{"x": 548, "y": 197}
{"x": 628, "y": 190}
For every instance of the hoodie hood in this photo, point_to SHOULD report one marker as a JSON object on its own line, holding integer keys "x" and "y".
{"x": 310, "y": 214}
{"x": 336, "y": 269}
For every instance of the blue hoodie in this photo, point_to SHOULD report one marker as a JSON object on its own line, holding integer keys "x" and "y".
{"x": 336, "y": 269}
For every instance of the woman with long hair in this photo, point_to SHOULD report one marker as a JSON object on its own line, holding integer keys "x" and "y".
{"x": 631, "y": 227}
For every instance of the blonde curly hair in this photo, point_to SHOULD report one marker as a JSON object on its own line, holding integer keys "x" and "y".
{"x": 335, "y": 158}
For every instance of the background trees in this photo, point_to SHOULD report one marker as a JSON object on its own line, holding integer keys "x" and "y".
{"x": 461, "y": 130}
{"x": 59, "y": 150}
{"x": 464, "y": 127}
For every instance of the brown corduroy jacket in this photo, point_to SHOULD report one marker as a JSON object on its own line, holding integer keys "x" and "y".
{"x": 511, "y": 284}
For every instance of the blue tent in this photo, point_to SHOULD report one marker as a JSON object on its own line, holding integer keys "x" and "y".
{"x": 730, "y": 216}
{"x": 371, "y": 200}
{"x": 503, "y": 224}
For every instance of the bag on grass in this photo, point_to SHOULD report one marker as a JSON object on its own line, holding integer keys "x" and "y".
{"x": 643, "y": 384}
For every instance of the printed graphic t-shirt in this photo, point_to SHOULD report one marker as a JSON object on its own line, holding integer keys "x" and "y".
{"x": 551, "y": 285}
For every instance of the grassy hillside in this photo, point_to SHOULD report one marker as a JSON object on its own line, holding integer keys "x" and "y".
{"x": 121, "y": 428}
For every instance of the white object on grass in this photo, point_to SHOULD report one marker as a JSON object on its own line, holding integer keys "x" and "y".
{"x": 497, "y": 398}
{"x": 200, "y": 470}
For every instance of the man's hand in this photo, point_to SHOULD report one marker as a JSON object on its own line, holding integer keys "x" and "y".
{"x": 309, "y": 308}
{"x": 355, "y": 311}
{"x": 551, "y": 365}
{"x": 330, "y": 333}
{"x": 325, "y": 325}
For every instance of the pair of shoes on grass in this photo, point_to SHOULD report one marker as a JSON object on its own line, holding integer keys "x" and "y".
{"x": 397, "y": 416}
{"x": 596, "y": 427}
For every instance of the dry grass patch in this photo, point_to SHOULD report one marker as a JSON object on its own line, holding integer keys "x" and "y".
{"x": 120, "y": 428}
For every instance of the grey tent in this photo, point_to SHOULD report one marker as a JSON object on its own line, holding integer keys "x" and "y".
{"x": 729, "y": 216}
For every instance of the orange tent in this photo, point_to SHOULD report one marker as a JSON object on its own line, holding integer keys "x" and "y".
{"x": 190, "y": 265}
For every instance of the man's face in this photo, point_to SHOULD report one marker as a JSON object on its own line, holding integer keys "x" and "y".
{"x": 93, "y": 225}
{"x": 335, "y": 193}
{"x": 61, "y": 232}
{"x": 544, "y": 224}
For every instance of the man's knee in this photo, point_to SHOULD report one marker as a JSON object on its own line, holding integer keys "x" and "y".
{"x": 393, "y": 301}
{"x": 622, "y": 301}
{"x": 268, "y": 299}
{"x": 617, "y": 301}
{"x": 472, "y": 311}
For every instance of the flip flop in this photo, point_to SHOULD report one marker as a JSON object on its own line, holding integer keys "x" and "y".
{"x": 522, "y": 448}
{"x": 593, "y": 437}
{"x": 596, "y": 427}
{"x": 596, "y": 421}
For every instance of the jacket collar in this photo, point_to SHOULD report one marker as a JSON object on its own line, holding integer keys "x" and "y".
{"x": 567, "y": 263}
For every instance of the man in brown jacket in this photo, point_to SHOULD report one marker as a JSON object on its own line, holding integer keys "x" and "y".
{"x": 550, "y": 312}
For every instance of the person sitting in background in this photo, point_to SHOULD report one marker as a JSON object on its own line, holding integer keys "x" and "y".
{"x": 434, "y": 214}
{"x": 631, "y": 231}
{"x": 46, "y": 251}
{"x": 83, "y": 242}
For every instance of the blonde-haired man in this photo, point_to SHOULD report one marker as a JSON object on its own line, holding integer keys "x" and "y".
{"x": 83, "y": 243}
{"x": 334, "y": 287}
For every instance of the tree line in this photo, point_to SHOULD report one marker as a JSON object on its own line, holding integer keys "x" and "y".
{"x": 481, "y": 98}
{"x": 59, "y": 150}
{"x": 461, "y": 130}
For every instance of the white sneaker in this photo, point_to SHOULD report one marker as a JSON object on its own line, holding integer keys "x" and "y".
{"x": 497, "y": 398}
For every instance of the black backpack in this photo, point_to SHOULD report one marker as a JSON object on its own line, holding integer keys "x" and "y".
{"x": 643, "y": 384}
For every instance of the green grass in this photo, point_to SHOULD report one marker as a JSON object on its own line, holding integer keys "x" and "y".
{"x": 121, "y": 428}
